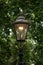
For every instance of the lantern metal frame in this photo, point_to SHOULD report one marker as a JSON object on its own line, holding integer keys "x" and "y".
{"x": 21, "y": 20}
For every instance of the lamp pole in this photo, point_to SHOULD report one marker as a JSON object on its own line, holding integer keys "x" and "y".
{"x": 21, "y": 53}
{"x": 21, "y": 26}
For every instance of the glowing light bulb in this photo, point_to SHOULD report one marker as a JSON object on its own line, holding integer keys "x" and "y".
{"x": 21, "y": 28}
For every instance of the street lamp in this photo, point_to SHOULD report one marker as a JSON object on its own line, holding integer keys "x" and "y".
{"x": 21, "y": 27}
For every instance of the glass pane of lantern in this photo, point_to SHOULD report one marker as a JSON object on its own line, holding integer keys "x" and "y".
{"x": 21, "y": 30}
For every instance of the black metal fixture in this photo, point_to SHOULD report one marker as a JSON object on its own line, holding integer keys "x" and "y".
{"x": 21, "y": 26}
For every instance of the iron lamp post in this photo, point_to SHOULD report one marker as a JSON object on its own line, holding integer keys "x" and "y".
{"x": 21, "y": 27}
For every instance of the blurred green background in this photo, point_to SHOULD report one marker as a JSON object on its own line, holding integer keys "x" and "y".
{"x": 33, "y": 46}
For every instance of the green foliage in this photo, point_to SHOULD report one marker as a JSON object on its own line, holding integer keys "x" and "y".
{"x": 33, "y": 46}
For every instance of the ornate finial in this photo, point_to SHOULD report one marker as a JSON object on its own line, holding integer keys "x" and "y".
{"x": 21, "y": 11}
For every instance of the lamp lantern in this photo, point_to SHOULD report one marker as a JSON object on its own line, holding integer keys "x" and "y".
{"x": 21, "y": 27}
